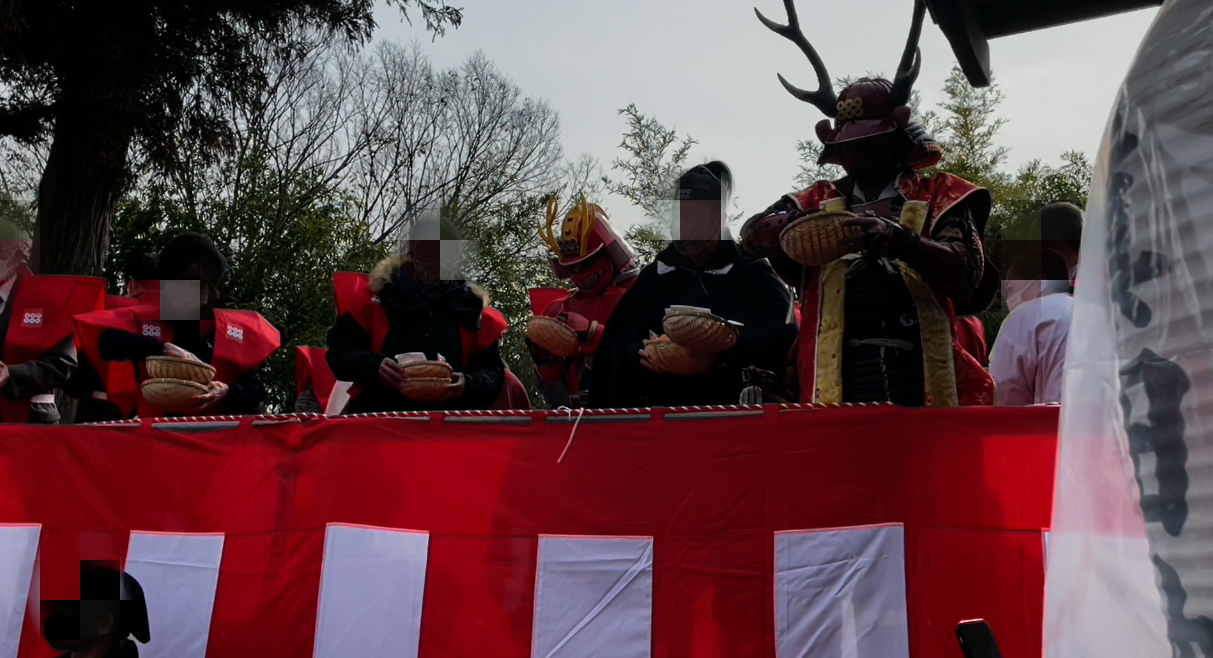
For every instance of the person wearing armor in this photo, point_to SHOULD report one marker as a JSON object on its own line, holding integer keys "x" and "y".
{"x": 702, "y": 269}
{"x": 880, "y": 323}
{"x": 602, "y": 266}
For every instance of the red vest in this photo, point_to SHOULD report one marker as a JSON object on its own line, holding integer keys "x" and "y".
{"x": 354, "y": 296}
{"x": 311, "y": 364}
{"x": 120, "y": 301}
{"x": 243, "y": 340}
{"x": 513, "y": 394}
{"x": 42, "y": 312}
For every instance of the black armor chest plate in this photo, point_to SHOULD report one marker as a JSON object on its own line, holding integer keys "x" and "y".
{"x": 882, "y": 343}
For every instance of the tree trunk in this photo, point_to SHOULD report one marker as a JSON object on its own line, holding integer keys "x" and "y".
{"x": 85, "y": 174}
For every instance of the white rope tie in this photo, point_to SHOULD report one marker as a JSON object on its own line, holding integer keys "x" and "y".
{"x": 572, "y": 434}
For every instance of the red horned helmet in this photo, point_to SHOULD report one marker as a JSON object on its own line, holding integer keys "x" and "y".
{"x": 588, "y": 252}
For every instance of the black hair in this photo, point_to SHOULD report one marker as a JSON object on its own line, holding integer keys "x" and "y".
{"x": 142, "y": 268}
{"x": 1062, "y": 220}
{"x": 706, "y": 181}
{"x": 1044, "y": 264}
{"x": 192, "y": 249}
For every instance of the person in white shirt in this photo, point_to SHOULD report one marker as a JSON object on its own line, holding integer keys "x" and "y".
{"x": 1028, "y": 359}
{"x": 1060, "y": 230}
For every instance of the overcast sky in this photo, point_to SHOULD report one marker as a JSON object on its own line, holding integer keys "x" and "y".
{"x": 707, "y": 68}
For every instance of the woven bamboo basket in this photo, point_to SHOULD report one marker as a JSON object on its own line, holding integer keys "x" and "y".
{"x": 174, "y": 395}
{"x": 426, "y": 389}
{"x": 552, "y": 335}
{"x": 700, "y": 332}
{"x": 429, "y": 370}
{"x": 674, "y": 358}
{"x": 167, "y": 367}
{"x": 817, "y": 239}
{"x": 427, "y": 381}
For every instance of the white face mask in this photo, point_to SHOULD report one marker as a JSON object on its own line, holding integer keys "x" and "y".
{"x": 1017, "y": 291}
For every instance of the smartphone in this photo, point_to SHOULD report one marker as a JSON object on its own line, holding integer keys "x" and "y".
{"x": 976, "y": 639}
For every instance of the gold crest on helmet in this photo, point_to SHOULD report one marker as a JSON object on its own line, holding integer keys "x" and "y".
{"x": 575, "y": 231}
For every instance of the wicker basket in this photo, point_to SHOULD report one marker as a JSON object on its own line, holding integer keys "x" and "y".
{"x": 174, "y": 395}
{"x": 429, "y": 370}
{"x": 426, "y": 389}
{"x": 699, "y": 331}
{"x": 674, "y": 358}
{"x": 167, "y": 367}
{"x": 817, "y": 239}
{"x": 426, "y": 381}
{"x": 552, "y": 335}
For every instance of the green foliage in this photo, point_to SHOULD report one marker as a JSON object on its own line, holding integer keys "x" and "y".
{"x": 283, "y": 238}
{"x": 19, "y": 214}
{"x": 656, "y": 157}
{"x": 647, "y": 241}
{"x": 511, "y": 259}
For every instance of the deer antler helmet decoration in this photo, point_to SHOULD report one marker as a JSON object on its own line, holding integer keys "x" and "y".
{"x": 871, "y": 106}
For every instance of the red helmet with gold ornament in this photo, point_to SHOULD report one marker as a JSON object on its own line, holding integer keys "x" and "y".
{"x": 588, "y": 252}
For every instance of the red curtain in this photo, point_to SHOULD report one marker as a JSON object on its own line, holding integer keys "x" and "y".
{"x": 973, "y": 488}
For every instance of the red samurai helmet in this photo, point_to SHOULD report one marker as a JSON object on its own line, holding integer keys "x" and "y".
{"x": 588, "y": 252}
{"x": 871, "y": 107}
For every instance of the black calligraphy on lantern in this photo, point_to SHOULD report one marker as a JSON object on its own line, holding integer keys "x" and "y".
{"x": 1165, "y": 384}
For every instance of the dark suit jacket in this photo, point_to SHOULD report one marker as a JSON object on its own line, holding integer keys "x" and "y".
{"x": 44, "y": 374}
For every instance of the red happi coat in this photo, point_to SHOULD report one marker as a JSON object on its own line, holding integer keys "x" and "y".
{"x": 41, "y": 318}
{"x": 310, "y": 364}
{"x": 953, "y": 376}
{"x": 355, "y": 297}
{"x": 587, "y": 317}
{"x": 243, "y": 341}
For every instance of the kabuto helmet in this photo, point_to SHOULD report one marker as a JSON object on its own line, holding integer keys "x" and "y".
{"x": 588, "y": 252}
{"x": 870, "y": 107}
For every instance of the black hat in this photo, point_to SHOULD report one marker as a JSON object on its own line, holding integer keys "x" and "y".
{"x": 190, "y": 249}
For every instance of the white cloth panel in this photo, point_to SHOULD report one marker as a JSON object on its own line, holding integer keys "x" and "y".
{"x": 841, "y": 593}
{"x": 18, "y": 552}
{"x": 179, "y": 573}
{"x": 593, "y": 597}
{"x": 371, "y": 591}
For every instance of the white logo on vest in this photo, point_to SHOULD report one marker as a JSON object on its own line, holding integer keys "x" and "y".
{"x": 32, "y": 319}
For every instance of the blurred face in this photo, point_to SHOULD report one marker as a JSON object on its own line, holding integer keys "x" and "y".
{"x": 80, "y": 625}
{"x": 184, "y": 297}
{"x": 11, "y": 258}
{"x": 699, "y": 225}
{"x": 868, "y": 156}
{"x": 426, "y": 257}
{"x": 1017, "y": 291}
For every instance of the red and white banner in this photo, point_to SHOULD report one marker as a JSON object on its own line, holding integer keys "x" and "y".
{"x": 852, "y": 532}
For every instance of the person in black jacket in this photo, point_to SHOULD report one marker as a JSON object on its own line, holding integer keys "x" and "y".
{"x": 111, "y": 609}
{"x": 428, "y": 310}
{"x": 703, "y": 268}
{"x": 189, "y": 257}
